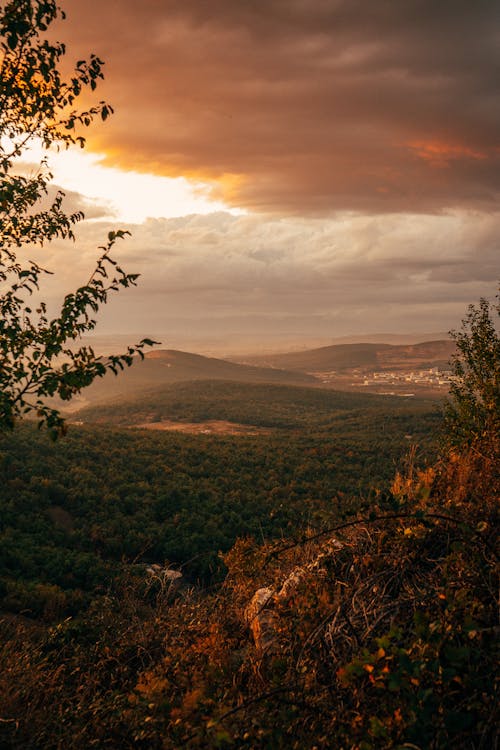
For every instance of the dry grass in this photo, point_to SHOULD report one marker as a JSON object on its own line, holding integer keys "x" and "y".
{"x": 384, "y": 636}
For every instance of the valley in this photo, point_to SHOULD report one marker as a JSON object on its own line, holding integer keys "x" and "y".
{"x": 420, "y": 369}
{"x": 133, "y": 549}
{"x": 179, "y": 473}
{"x": 386, "y": 369}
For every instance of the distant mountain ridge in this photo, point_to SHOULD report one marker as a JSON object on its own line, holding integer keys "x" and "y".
{"x": 163, "y": 367}
{"x": 364, "y": 355}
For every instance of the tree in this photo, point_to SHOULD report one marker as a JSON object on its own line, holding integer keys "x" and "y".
{"x": 473, "y": 411}
{"x": 37, "y": 104}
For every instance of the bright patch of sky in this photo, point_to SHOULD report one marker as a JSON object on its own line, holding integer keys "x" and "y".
{"x": 131, "y": 196}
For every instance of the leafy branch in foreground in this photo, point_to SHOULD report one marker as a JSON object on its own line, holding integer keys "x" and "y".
{"x": 37, "y": 107}
{"x": 31, "y": 346}
{"x": 473, "y": 410}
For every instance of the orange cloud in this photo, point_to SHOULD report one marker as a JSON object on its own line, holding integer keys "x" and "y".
{"x": 440, "y": 155}
{"x": 305, "y": 106}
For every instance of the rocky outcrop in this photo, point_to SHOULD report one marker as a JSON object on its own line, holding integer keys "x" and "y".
{"x": 261, "y": 613}
{"x": 166, "y": 581}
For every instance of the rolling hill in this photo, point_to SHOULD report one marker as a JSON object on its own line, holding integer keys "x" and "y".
{"x": 366, "y": 356}
{"x": 166, "y": 366}
{"x": 265, "y": 405}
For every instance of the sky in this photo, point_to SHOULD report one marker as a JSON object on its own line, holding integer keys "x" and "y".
{"x": 291, "y": 171}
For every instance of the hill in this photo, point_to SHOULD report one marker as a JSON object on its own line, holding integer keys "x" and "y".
{"x": 367, "y": 356}
{"x": 276, "y": 590}
{"x": 267, "y": 405}
{"x": 167, "y": 366}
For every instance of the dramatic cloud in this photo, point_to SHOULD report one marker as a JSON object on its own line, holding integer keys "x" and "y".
{"x": 361, "y": 137}
{"x": 219, "y": 274}
{"x": 304, "y": 106}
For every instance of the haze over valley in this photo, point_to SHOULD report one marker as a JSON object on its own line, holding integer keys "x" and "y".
{"x": 392, "y": 369}
{"x": 249, "y": 374}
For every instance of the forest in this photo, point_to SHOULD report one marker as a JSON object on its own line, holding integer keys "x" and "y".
{"x": 106, "y": 498}
{"x": 328, "y": 582}
{"x": 336, "y": 557}
{"x": 338, "y": 589}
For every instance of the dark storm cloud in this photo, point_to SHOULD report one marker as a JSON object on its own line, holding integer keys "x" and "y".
{"x": 304, "y": 106}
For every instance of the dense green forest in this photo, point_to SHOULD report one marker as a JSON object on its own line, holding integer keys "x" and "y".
{"x": 263, "y": 405}
{"x": 77, "y": 513}
{"x": 340, "y": 586}
{"x": 373, "y": 590}
{"x": 339, "y": 582}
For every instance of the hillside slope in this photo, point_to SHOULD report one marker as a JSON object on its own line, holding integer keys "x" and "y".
{"x": 259, "y": 404}
{"x": 365, "y": 356}
{"x": 376, "y": 632}
{"x": 166, "y": 366}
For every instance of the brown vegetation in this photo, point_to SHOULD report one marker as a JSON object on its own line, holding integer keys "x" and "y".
{"x": 385, "y": 638}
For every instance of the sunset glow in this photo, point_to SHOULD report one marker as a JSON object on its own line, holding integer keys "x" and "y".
{"x": 249, "y": 374}
{"x": 286, "y": 171}
{"x": 439, "y": 154}
{"x": 130, "y": 196}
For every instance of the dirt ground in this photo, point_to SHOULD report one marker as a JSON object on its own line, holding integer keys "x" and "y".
{"x": 212, "y": 427}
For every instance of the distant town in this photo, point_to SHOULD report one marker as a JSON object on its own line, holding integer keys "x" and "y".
{"x": 433, "y": 378}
